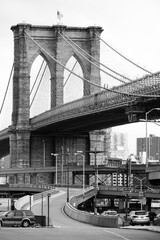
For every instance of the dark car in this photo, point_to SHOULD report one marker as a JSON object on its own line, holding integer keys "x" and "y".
{"x": 152, "y": 215}
{"x": 23, "y": 218}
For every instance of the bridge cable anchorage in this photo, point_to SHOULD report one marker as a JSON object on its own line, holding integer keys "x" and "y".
{"x": 86, "y": 80}
{"x": 69, "y": 74}
{"x": 124, "y": 56}
{"x": 7, "y": 88}
{"x": 38, "y": 85}
{"x": 66, "y": 39}
{"x": 37, "y": 77}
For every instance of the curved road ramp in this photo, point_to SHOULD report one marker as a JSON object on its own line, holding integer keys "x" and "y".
{"x": 90, "y": 218}
{"x": 70, "y": 208}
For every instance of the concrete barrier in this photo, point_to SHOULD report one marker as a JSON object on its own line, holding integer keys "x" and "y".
{"x": 90, "y": 218}
{"x": 27, "y": 199}
{"x": 21, "y": 202}
{"x": 82, "y": 216}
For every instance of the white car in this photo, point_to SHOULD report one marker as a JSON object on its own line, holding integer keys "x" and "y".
{"x": 110, "y": 213}
{"x": 139, "y": 217}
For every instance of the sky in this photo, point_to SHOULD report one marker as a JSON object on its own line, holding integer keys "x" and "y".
{"x": 129, "y": 26}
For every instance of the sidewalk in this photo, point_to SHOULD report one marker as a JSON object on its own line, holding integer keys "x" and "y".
{"x": 149, "y": 228}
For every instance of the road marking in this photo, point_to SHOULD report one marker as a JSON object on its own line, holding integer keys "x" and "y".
{"x": 56, "y": 226}
{"x": 117, "y": 235}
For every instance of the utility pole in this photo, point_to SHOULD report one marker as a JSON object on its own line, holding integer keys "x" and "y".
{"x": 95, "y": 152}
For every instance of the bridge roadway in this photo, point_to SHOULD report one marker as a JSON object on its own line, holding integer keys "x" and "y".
{"x": 18, "y": 190}
{"x": 123, "y": 191}
{"x": 102, "y": 169}
{"x": 103, "y": 191}
{"x": 101, "y": 110}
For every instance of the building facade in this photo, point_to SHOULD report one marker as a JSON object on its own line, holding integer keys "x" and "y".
{"x": 114, "y": 146}
{"x": 153, "y": 151}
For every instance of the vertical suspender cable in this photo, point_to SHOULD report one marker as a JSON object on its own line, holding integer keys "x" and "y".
{"x": 69, "y": 74}
{"x": 38, "y": 85}
{"x": 36, "y": 77}
{"x": 7, "y": 88}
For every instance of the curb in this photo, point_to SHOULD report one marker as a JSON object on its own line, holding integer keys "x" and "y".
{"x": 150, "y": 228}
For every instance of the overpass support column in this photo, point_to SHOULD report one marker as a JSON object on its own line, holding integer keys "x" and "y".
{"x": 86, "y": 179}
{"x": 73, "y": 178}
{"x": 112, "y": 202}
{"x": 148, "y": 204}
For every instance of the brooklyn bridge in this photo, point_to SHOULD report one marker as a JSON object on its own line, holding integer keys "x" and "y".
{"x": 64, "y": 129}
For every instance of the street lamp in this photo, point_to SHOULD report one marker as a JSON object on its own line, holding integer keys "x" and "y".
{"x": 55, "y": 155}
{"x": 44, "y": 153}
{"x": 153, "y": 109}
{"x": 80, "y": 153}
{"x": 68, "y": 164}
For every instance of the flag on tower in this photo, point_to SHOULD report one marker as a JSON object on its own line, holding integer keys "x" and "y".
{"x": 59, "y": 15}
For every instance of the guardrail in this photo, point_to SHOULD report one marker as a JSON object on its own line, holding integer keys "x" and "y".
{"x": 129, "y": 189}
{"x": 39, "y": 186}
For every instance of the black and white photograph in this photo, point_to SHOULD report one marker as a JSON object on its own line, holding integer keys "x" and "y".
{"x": 79, "y": 119}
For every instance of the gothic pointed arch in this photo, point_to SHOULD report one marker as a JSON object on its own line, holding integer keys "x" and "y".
{"x": 73, "y": 85}
{"x": 30, "y": 41}
{"x": 39, "y": 86}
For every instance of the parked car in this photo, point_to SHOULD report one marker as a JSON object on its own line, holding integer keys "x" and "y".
{"x": 110, "y": 213}
{"x": 23, "y": 218}
{"x": 140, "y": 217}
{"x": 156, "y": 220}
{"x": 158, "y": 215}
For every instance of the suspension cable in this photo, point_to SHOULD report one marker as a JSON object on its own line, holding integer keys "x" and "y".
{"x": 37, "y": 77}
{"x": 7, "y": 88}
{"x": 124, "y": 56}
{"x": 69, "y": 74}
{"x": 97, "y": 60}
{"x": 38, "y": 85}
{"x": 86, "y": 80}
{"x": 93, "y": 62}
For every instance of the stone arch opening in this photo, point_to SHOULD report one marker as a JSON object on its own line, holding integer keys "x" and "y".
{"x": 72, "y": 85}
{"x": 39, "y": 87}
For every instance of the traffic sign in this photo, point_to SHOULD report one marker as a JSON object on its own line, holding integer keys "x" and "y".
{"x": 127, "y": 189}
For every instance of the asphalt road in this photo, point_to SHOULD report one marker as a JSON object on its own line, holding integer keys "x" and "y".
{"x": 62, "y": 227}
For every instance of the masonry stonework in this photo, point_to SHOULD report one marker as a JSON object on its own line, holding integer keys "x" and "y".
{"x": 47, "y": 41}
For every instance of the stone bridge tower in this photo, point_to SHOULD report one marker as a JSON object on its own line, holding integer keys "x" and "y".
{"x": 47, "y": 41}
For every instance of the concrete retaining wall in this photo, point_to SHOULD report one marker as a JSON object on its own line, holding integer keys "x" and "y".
{"x": 90, "y": 218}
